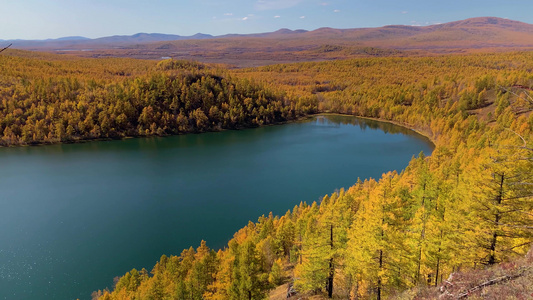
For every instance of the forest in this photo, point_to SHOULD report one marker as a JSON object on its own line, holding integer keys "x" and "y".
{"x": 467, "y": 206}
{"x": 47, "y": 101}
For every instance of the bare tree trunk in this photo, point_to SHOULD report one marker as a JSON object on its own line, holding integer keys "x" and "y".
{"x": 499, "y": 198}
{"x": 6, "y": 47}
{"x": 379, "y": 278}
{"x": 422, "y": 236}
{"x": 331, "y": 267}
{"x": 437, "y": 271}
{"x": 438, "y": 259}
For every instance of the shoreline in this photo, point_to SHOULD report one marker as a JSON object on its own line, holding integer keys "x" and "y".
{"x": 419, "y": 131}
{"x": 108, "y": 139}
{"x": 298, "y": 119}
{"x": 412, "y": 128}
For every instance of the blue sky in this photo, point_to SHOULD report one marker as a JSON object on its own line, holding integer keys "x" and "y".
{"x": 40, "y": 19}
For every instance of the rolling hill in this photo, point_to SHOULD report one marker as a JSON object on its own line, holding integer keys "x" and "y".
{"x": 110, "y": 42}
{"x": 285, "y": 45}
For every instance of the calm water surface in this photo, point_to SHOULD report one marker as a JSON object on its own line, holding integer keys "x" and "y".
{"x": 72, "y": 217}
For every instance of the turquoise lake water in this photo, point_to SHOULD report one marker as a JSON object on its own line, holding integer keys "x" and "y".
{"x": 74, "y": 216}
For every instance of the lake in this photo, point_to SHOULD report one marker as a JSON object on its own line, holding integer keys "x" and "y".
{"x": 74, "y": 216}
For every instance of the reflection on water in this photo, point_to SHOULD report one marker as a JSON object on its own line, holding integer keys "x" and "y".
{"x": 74, "y": 216}
{"x": 364, "y": 124}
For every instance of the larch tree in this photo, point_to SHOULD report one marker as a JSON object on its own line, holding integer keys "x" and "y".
{"x": 503, "y": 199}
{"x": 247, "y": 281}
{"x": 377, "y": 251}
{"x": 311, "y": 274}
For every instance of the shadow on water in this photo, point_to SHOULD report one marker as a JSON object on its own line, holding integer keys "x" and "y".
{"x": 365, "y": 124}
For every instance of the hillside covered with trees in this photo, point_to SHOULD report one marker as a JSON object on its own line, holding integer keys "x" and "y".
{"x": 467, "y": 206}
{"x": 45, "y": 99}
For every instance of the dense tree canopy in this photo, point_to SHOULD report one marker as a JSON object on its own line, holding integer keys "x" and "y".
{"x": 467, "y": 205}
{"x": 63, "y": 101}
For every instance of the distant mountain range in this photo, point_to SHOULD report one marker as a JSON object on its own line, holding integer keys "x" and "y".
{"x": 285, "y": 45}
{"x": 103, "y": 42}
{"x": 138, "y": 38}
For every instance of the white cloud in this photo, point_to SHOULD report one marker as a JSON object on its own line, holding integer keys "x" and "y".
{"x": 404, "y": 12}
{"x": 337, "y": 11}
{"x": 277, "y": 17}
{"x": 244, "y": 19}
{"x": 276, "y": 4}
{"x": 302, "y": 17}
{"x": 228, "y": 14}
{"x": 324, "y": 3}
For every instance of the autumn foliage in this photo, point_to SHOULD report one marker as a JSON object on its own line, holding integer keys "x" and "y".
{"x": 466, "y": 206}
{"x": 45, "y": 101}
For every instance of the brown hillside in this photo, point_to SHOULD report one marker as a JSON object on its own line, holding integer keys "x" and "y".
{"x": 284, "y": 45}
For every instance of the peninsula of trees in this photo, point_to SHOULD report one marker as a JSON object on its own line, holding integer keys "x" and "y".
{"x": 50, "y": 101}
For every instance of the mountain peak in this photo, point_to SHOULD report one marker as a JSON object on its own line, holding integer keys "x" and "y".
{"x": 288, "y": 31}
{"x": 487, "y": 21}
{"x": 73, "y": 38}
{"x": 200, "y": 35}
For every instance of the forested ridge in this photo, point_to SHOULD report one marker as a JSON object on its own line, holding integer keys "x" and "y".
{"x": 50, "y": 100}
{"x": 467, "y": 206}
